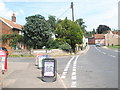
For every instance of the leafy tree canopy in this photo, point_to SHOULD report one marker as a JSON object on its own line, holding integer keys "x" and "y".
{"x": 37, "y": 31}
{"x": 81, "y": 23}
{"x": 102, "y": 29}
{"x": 14, "y": 39}
{"x": 70, "y": 32}
{"x": 52, "y": 22}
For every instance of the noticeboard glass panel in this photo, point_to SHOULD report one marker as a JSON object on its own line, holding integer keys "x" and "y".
{"x": 49, "y": 68}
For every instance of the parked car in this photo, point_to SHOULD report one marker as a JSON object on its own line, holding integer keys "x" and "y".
{"x": 2, "y": 48}
{"x": 98, "y": 44}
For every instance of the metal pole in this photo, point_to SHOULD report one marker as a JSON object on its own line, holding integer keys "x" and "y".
{"x": 72, "y": 11}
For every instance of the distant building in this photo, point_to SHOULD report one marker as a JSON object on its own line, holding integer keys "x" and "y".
{"x": 91, "y": 41}
{"x": 99, "y": 38}
{"x": 112, "y": 38}
{"x": 9, "y": 27}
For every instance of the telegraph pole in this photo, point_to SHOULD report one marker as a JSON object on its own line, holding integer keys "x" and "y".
{"x": 72, "y": 11}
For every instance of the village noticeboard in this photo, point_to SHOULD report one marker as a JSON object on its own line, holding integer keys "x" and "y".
{"x": 49, "y": 70}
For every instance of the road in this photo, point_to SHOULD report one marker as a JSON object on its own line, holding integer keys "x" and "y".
{"x": 97, "y": 68}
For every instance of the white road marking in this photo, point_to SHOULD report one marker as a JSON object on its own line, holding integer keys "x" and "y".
{"x": 74, "y": 76}
{"x": 61, "y": 81}
{"x": 73, "y": 85}
{"x": 74, "y": 69}
{"x": 112, "y": 56}
{"x": 66, "y": 68}
{"x": 63, "y": 76}
{"x": 73, "y": 73}
{"x": 104, "y": 53}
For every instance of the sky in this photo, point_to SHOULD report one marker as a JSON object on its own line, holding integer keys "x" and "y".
{"x": 93, "y": 12}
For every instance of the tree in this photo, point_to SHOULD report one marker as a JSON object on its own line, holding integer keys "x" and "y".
{"x": 69, "y": 32}
{"x": 37, "y": 31}
{"x": 52, "y": 22}
{"x": 93, "y": 32}
{"x": 102, "y": 29}
{"x": 13, "y": 39}
{"x": 81, "y": 23}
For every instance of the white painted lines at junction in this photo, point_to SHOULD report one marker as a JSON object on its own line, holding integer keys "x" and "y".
{"x": 112, "y": 56}
{"x": 66, "y": 68}
{"x": 104, "y": 53}
{"x": 73, "y": 85}
{"x": 74, "y": 76}
{"x": 73, "y": 73}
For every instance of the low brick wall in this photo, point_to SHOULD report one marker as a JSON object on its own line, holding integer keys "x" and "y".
{"x": 20, "y": 52}
{"x": 52, "y": 52}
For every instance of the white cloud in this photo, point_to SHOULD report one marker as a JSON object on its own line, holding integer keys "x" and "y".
{"x": 93, "y": 12}
{"x": 19, "y": 12}
{"x": 5, "y": 12}
{"x": 107, "y": 15}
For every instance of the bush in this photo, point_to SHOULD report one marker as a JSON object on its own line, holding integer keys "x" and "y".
{"x": 65, "y": 47}
{"x": 55, "y": 44}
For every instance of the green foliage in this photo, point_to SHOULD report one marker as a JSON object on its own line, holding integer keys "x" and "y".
{"x": 52, "y": 22}
{"x": 70, "y": 32}
{"x": 54, "y": 44}
{"x": 102, "y": 29}
{"x": 114, "y": 47}
{"x": 58, "y": 44}
{"x": 65, "y": 47}
{"x": 14, "y": 39}
{"x": 37, "y": 31}
{"x": 5, "y": 37}
{"x": 81, "y": 23}
{"x": 88, "y": 34}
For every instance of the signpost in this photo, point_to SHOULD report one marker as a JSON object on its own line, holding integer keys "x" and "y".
{"x": 49, "y": 70}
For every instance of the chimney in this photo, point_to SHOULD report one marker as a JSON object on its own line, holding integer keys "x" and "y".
{"x": 13, "y": 18}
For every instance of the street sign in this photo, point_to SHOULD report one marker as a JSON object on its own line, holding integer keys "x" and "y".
{"x": 49, "y": 70}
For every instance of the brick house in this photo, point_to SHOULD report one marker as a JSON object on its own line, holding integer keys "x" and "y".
{"x": 99, "y": 38}
{"x": 91, "y": 40}
{"x": 9, "y": 27}
{"x": 112, "y": 38}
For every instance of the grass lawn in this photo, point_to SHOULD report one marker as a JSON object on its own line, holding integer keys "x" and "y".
{"x": 114, "y": 47}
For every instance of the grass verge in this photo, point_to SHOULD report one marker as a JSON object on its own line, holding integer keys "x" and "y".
{"x": 114, "y": 47}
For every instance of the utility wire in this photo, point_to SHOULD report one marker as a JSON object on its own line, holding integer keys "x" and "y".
{"x": 64, "y": 12}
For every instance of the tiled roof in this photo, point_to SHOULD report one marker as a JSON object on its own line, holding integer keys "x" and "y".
{"x": 99, "y": 36}
{"x": 11, "y": 23}
{"x": 116, "y": 32}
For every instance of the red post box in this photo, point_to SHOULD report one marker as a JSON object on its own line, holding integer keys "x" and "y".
{"x": 3, "y": 57}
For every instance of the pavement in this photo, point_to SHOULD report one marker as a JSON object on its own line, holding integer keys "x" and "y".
{"x": 26, "y": 75}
